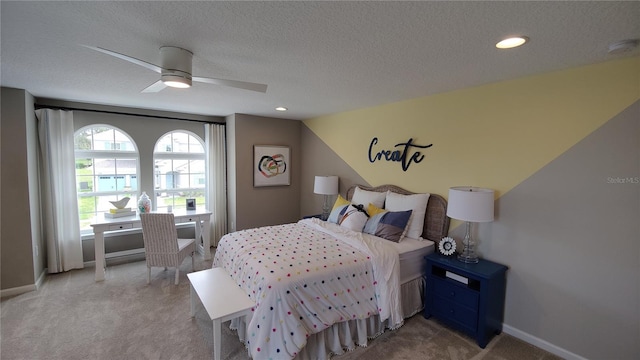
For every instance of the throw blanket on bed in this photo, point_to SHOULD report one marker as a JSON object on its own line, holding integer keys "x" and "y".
{"x": 306, "y": 277}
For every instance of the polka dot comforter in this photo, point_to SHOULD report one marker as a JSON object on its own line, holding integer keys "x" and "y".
{"x": 307, "y": 276}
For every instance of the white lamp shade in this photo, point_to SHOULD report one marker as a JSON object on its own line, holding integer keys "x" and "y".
{"x": 470, "y": 204}
{"x": 326, "y": 185}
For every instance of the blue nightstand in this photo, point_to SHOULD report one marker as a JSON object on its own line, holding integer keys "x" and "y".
{"x": 468, "y": 297}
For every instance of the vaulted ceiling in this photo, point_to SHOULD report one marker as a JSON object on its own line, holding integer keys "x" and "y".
{"x": 317, "y": 58}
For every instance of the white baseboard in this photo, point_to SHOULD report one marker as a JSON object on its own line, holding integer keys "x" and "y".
{"x": 542, "y": 344}
{"x": 120, "y": 256}
{"x": 124, "y": 253}
{"x": 26, "y": 288}
{"x": 111, "y": 258}
{"x": 18, "y": 290}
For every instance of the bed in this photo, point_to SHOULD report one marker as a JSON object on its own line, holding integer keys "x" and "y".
{"x": 321, "y": 288}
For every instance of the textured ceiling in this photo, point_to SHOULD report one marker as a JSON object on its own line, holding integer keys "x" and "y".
{"x": 318, "y": 58}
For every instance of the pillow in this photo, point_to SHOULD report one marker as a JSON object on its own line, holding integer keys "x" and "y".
{"x": 339, "y": 206}
{"x": 374, "y": 210}
{"x": 415, "y": 202}
{"x": 353, "y": 218}
{"x": 365, "y": 197}
{"x": 340, "y": 201}
{"x": 387, "y": 224}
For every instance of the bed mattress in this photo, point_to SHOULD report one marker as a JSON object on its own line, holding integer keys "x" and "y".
{"x": 412, "y": 253}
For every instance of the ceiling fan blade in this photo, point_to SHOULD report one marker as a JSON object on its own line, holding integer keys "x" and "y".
{"x": 130, "y": 59}
{"x": 155, "y": 87}
{"x": 232, "y": 83}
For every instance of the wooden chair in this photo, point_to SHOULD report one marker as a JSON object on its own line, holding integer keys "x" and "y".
{"x": 161, "y": 244}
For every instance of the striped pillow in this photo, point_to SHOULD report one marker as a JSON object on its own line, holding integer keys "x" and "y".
{"x": 390, "y": 225}
{"x": 339, "y": 207}
{"x": 353, "y": 217}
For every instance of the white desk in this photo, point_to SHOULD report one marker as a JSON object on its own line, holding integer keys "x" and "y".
{"x": 201, "y": 218}
{"x": 222, "y": 299}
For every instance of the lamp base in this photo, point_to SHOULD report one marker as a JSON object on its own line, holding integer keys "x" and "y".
{"x": 468, "y": 258}
{"x": 468, "y": 254}
{"x": 326, "y": 207}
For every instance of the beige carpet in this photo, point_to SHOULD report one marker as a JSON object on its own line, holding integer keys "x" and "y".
{"x": 73, "y": 317}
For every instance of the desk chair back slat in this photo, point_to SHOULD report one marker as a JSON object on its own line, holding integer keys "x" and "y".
{"x": 161, "y": 243}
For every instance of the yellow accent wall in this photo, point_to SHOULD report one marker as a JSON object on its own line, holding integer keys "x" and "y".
{"x": 491, "y": 136}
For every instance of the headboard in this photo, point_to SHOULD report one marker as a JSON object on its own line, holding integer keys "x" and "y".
{"x": 436, "y": 222}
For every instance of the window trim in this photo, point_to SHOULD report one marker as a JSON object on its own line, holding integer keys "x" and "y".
{"x": 187, "y": 156}
{"x": 105, "y": 154}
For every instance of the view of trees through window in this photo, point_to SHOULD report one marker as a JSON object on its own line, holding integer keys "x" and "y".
{"x": 108, "y": 169}
{"x": 179, "y": 166}
{"x": 107, "y": 166}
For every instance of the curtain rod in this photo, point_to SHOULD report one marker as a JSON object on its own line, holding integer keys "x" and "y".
{"x": 67, "y": 108}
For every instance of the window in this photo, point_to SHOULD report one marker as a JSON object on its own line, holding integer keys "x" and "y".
{"x": 179, "y": 164}
{"x": 107, "y": 167}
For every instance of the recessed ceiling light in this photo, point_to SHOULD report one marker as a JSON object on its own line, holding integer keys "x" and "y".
{"x": 281, "y": 108}
{"x": 512, "y": 42}
{"x": 623, "y": 46}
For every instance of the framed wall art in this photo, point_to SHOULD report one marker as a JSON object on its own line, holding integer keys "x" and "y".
{"x": 271, "y": 165}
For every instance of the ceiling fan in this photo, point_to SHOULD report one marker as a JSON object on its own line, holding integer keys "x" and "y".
{"x": 175, "y": 70}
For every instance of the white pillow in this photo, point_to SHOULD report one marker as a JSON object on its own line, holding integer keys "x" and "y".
{"x": 353, "y": 219}
{"x": 365, "y": 197}
{"x": 415, "y": 202}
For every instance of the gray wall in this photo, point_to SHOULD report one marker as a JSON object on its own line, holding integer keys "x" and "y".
{"x": 231, "y": 173}
{"x": 20, "y": 227}
{"x": 319, "y": 159}
{"x": 570, "y": 236}
{"x": 259, "y": 206}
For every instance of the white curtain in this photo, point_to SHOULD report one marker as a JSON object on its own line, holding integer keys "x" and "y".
{"x": 217, "y": 179}
{"x": 58, "y": 185}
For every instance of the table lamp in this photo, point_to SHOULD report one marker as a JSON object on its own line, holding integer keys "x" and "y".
{"x": 327, "y": 186}
{"x": 470, "y": 204}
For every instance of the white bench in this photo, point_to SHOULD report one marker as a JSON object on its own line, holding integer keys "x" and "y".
{"x": 221, "y": 297}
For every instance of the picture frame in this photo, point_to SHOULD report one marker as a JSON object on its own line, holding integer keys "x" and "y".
{"x": 191, "y": 204}
{"x": 271, "y": 165}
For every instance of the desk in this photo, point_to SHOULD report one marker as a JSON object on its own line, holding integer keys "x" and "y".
{"x": 201, "y": 218}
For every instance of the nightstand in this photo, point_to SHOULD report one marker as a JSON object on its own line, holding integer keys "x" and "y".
{"x": 468, "y": 297}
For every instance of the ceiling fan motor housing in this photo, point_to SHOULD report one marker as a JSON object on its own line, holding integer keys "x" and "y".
{"x": 176, "y": 65}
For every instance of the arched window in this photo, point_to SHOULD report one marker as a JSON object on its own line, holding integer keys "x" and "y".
{"x": 179, "y": 166}
{"x": 107, "y": 168}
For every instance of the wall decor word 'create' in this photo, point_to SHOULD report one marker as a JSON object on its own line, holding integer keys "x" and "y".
{"x": 398, "y": 155}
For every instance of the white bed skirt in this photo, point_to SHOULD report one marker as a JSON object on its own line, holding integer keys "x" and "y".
{"x": 345, "y": 336}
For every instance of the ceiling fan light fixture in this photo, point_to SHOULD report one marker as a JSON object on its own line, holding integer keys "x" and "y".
{"x": 176, "y": 81}
{"x": 512, "y": 42}
{"x": 175, "y": 70}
